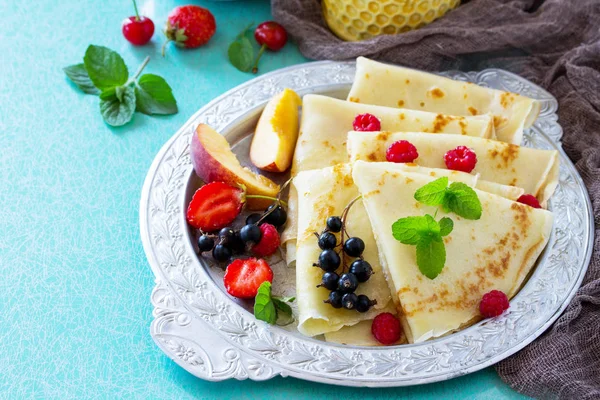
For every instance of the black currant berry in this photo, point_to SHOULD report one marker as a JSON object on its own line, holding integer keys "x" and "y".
{"x": 329, "y": 260}
{"x": 347, "y": 283}
{"x": 250, "y": 234}
{"x": 362, "y": 270}
{"x": 329, "y": 280}
{"x": 205, "y": 243}
{"x": 277, "y": 217}
{"x": 236, "y": 244}
{"x": 226, "y": 234}
{"x": 327, "y": 240}
{"x": 253, "y": 218}
{"x": 349, "y": 301}
{"x": 221, "y": 253}
{"x": 354, "y": 247}
{"x": 334, "y": 224}
{"x": 363, "y": 303}
{"x": 335, "y": 299}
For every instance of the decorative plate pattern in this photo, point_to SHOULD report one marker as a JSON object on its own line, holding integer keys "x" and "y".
{"x": 214, "y": 338}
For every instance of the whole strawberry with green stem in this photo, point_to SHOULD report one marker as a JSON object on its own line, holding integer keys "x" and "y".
{"x": 189, "y": 27}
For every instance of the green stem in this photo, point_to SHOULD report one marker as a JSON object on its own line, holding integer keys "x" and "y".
{"x": 258, "y": 196}
{"x": 137, "y": 14}
{"x": 260, "y": 53}
{"x": 164, "y": 46}
{"x": 139, "y": 71}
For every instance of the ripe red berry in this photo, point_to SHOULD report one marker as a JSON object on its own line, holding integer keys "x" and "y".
{"x": 401, "y": 151}
{"x": 493, "y": 304}
{"x": 271, "y": 34}
{"x": 269, "y": 242}
{"x": 214, "y": 206}
{"x": 243, "y": 277}
{"x": 189, "y": 26}
{"x": 366, "y": 123}
{"x": 461, "y": 158}
{"x": 138, "y": 31}
{"x": 530, "y": 200}
{"x": 386, "y": 328}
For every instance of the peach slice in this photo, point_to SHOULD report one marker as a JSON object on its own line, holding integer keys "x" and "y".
{"x": 276, "y": 133}
{"x": 213, "y": 160}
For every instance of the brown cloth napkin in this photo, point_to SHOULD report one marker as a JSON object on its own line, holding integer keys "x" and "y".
{"x": 556, "y": 44}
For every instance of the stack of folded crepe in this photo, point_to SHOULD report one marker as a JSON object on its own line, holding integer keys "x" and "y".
{"x": 332, "y": 165}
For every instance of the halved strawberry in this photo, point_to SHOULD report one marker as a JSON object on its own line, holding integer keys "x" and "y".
{"x": 244, "y": 276}
{"x": 214, "y": 206}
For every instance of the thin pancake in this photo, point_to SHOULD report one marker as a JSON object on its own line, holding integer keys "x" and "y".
{"x": 495, "y": 252}
{"x": 534, "y": 170}
{"x": 394, "y": 86}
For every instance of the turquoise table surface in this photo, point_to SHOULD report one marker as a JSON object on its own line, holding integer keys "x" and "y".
{"x": 75, "y": 309}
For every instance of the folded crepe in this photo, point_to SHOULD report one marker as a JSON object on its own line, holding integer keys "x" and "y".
{"x": 394, "y": 86}
{"x": 496, "y": 252}
{"x": 536, "y": 171}
{"x": 326, "y": 122}
{"x": 321, "y": 194}
{"x": 324, "y": 128}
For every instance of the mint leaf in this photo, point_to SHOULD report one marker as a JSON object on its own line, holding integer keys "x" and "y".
{"x": 117, "y": 105}
{"x": 446, "y": 226}
{"x": 79, "y": 76}
{"x": 154, "y": 96}
{"x": 409, "y": 230}
{"x": 433, "y": 193}
{"x": 264, "y": 308}
{"x": 431, "y": 257}
{"x": 462, "y": 200}
{"x": 241, "y": 54}
{"x": 105, "y": 67}
{"x": 282, "y": 306}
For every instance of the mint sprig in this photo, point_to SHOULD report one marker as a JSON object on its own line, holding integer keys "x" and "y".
{"x": 458, "y": 198}
{"x": 427, "y": 234}
{"x": 104, "y": 73}
{"x": 268, "y": 308}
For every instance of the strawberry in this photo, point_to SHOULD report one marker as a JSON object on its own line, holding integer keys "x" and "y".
{"x": 214, "y": 206}
{"x": 189, "y": 26}
{"x": 244, "y": 276}
{"x": 269, "y": 241}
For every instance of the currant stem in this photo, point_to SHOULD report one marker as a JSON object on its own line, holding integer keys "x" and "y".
{"x": 259, "y": 196}
{"x": 260, "y": 53}
{"x": 343, "y": 218}
{"x": 137, "y": 14}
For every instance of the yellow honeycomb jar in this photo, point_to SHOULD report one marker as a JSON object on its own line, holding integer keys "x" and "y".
{"x": 354, "y": 20}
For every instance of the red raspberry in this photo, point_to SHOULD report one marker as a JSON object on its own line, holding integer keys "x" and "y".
{"x": 268, "y": 243}
{"x": 493, "y": 304}
{"x": 386, "y": 328}
{"x": 401, "y": 151}
{"x": 530, "y": 200}
{"x": 461, "y": 158}
{"x": 366, "y": 123}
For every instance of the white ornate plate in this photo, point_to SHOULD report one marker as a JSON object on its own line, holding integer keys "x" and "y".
{"x": 215, "y": 338}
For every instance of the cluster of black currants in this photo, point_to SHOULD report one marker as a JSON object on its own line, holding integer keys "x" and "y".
{"x": 343, "y": 286}
{"x": 229, "y": 241}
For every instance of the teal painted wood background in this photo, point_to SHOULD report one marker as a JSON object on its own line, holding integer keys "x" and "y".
{"x": 75, "y": 287}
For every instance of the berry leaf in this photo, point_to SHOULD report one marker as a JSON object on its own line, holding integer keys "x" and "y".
{"x": 79, "y": 76}
{"x": 117, "y": 105}
{"x": 433, "y": 193}
{"x": 462, "y": 200}
{"x": 431, "y": 257}
{"x": 241, "y": 54}
{"x": 154, "y": 96}
{"x": 446, "y": 226}
{"x": 105, "y": 67}
{"x": 264, "y": 308}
